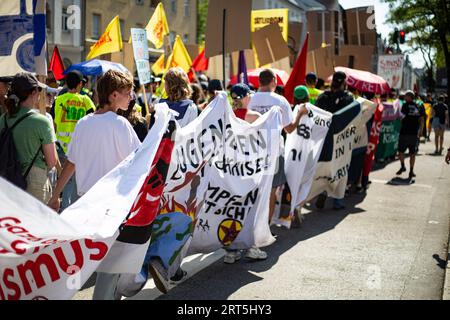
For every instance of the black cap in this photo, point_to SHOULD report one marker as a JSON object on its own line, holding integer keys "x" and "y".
{"x": 215, "y": 85}
{"x": 239, "y": 91}
{"x": 6, "y": 79}
{"x": 23, "y": 82}
{"x": 204, "y": 85}
{"x": 339, "y": 78}
{"x": 85, "y": 79}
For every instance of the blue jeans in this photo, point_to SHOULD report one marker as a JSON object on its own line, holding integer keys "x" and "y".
{"x": 70, "y": 194}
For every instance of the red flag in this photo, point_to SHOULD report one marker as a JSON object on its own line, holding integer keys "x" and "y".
{"x": 57, "y": 65}
{"x": 200, "y": 63}
{"x": 298, "y": 73}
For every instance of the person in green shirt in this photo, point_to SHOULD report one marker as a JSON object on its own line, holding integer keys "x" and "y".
{"x": 33, "y": 137}
{"x": 311, "y": 82}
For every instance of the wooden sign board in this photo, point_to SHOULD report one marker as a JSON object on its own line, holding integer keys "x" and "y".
{"x": 237, "y": 26}
{"x": 269, "y": 44}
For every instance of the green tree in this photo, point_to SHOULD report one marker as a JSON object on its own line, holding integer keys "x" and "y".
{"x": 202, "y": 12}
{"x": 427, "y": 25}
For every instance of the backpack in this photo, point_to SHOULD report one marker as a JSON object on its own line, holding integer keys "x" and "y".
{"x": 10, "y": 168}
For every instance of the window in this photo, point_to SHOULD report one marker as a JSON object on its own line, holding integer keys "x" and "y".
{"x": 139, "y": 2}
{"x": 185, "y": 38}
{"x": 173, "y": 6}
{"x": 187, "y": 11}
{"x": 154, "y": 3}
{"x": 64, "y": 17}
{"x": 48, "y": 18}
{"x": 122, "y": 25}
{"x": 172, "y": 37}
{"x": 96, "y": 27}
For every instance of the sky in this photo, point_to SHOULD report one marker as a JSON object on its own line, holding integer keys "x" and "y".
{"x": 381, "y": 12}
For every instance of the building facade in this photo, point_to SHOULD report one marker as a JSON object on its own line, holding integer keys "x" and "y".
{"x": 64, "y": 29}
{"x": 181, "y": 16}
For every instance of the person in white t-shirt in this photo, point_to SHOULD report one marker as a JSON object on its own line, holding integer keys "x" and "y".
{"x": 100, "y": 142}
{"x": 262, "y": 101}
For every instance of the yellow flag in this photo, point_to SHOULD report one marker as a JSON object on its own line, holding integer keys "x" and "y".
{"x": 179, "y": 57}
{"x": 158, "y": 66}
{"x": 157, "y": 27}
{"x": 110, "y": 41}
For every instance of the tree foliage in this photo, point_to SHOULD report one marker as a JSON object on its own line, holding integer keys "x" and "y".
{"x": 202, "y": 12}
{"x": 427, "y": 25}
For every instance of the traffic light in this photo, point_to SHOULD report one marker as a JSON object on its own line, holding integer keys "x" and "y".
{"x": 402, "y": 36}
{"x": 395, "y": 36}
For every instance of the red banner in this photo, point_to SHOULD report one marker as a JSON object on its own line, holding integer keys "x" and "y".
{"x": 373, "y": 141}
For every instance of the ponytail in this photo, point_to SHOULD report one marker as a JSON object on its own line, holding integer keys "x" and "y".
{"x": 13, "y": 101}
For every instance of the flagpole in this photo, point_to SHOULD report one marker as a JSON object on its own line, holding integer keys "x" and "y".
{"x": 223, "y": 44}
{"x": 145, "y": 99}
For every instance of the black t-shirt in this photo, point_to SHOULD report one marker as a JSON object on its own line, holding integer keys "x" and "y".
{"x": 439, "y": 111}
{"x": 141, "y": 130}
{"x": 334, "y": 101}
{"x": 411, "y": 121}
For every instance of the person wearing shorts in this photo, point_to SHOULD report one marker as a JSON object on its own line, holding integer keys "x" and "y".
{"x": 440, "y": 116}
{"x": 412, "y": 127}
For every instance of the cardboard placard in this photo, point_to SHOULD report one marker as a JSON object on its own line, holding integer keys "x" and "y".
{"x": 249, "y": 59}
{"x": 320, "y": 61}
{"x": 362, "y": 56}
{"x": 237, "y": 26}
{"x": 269, "y": 44}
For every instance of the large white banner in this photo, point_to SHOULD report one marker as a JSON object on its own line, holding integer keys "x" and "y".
{"x": 344, "y": 135}
{"x": 390, "y": 68}
{"x": 302, "y": 152}
{"x": 44, "y": 255}
{"x": 220, "y": 176}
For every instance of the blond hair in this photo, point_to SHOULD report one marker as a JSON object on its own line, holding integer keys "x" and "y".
{"x": 177, "y": 84}
{"x": 112, "y": 81}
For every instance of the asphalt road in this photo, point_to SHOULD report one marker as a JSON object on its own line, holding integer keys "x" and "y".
{"x": 391, "y": 243}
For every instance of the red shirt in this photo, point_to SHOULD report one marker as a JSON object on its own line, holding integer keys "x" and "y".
{"x": 241, "y": 113}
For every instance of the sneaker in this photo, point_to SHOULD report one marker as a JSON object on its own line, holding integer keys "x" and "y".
{"x": 298, "y": 218}
{"x": 402, "y": 169}
{"x": 232, "y": 256}
{"x": 320, "y": 202}
{"x": 338, "y": 204}
{"x": 159, "y": 275}
{"x": 256, "y": 254}
{"x": 179, "y": 275}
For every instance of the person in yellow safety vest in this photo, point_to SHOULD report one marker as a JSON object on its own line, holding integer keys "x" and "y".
{"x": 311, "y": 82}
{"x": 71, "y": 107}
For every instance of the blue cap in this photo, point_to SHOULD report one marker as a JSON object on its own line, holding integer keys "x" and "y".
{"x": 239, "y": 91}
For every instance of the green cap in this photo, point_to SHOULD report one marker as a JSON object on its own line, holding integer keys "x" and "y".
{"x": 301, "y": 92}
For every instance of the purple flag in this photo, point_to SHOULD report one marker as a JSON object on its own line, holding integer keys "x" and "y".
{"x": 242, "y": 69}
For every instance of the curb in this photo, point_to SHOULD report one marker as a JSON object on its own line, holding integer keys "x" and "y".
{"x": 446, "y": 289}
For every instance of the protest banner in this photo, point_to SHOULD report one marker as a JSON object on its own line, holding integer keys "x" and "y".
{"x": 390, "y": 131}
{"x": 302, "y": 152}
{"x": 334, "y": 163}
{"x": 23, "y": 38}
{"x": 220, "y": 176}
{"x": 390, "y": 68}
{"x": 46, "y": 256}
{"x": 373, "y": 143}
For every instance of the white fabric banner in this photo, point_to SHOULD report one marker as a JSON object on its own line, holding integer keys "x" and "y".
{"x": 332, "y": 170}
{"x": 44, "y": 255}
{"x": 302, "y": 152}
{"x": 221, "y": 175}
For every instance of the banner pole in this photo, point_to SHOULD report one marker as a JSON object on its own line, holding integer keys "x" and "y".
{"x": 145, "y": 99}
{"x": 223, "y": 44}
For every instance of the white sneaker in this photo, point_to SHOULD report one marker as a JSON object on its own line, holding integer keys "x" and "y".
{"x": 232, "y": 257}
{"x": 256, "y": 254}
{"x": 159, "y": 275}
